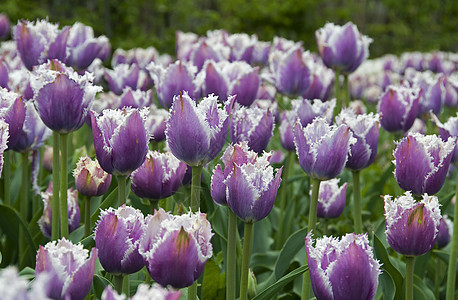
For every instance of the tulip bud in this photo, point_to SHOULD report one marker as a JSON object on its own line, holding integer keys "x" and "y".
{"x": 445, "y": 232}
{"x": 90, "y": 179}
{"x": 331, "y": 198}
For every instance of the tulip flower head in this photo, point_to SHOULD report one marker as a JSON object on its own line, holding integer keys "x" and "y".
{"x": 307, "y": 110}
{"x": 196, "y": 133}
{"x": 4, "y": 26}
{"x": 422, "y": 162}
{"x": 117, "y": 237}
{"x": 4, "y": 135}
{"x": 122, "y": 75}
{"x": 144, "y": 292}
{"x": 90, "y": 179}
{"x": 448, "y": 129}
{"x": 445, "y": 232}
{"x": 176, "y": 248}
{"x": 156, "y": 122}
{"x": 342, "y": 269}
{"x": 412, "y": 227}
{"x": 12, "y": 111}
{"x": 331, "y": 198}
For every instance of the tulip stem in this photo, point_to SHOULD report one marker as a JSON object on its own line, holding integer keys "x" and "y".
{"x": 283, "y": 199}
{"x": 63, "y": 185}
{"x": 337, "y": 92}
{"x": 437, "y": 277}
{"x": 357, "y": 203}
{"x": 118, "y": 279}
{"x": 231, "y": 256}
{"x": 247, "y": 241}
{"x": 192, "y": 291}
{"x": 347, "y": 90}
{"x": 6, "y": 178}
{"x": 87, "y": 216}
{"x": 23, "y": 205}
{"x": 121, "y": 189}
{"x": 311, "y": 226}
{"x": 451, "y": 274}
{"x": 55, "y": 186}
{"x": 153, "y": 204}
{"x": 195, "y": 188}
{"x": 409, "y": 277}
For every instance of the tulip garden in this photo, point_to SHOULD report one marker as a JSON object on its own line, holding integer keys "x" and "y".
{"x": 235, "y": 169}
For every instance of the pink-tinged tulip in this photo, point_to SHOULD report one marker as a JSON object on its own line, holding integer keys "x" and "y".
{"x": 144, "y": 292}
{"x": 196, "y": 132}
{"x": 342, "y": 269}
{"x": 84, "y": 47}
{"x": 156, "y": 122}
{"x": 39, "y": 41}
{"x": 174, "y": 80}
{"x": 4, "y": 135}
{"x": 120, "y": 139}
{"x": 398, "y": 108}
{"x": 61, "y": 96}
{"x": 74, "y": 217}
{"x": 331, "y": 198}
{"x": 422, "y": 162}
{"x": 253, "y": 125}
{"x": 71, "y": 269}
{"x": 122, "y": 76}
{"x": 307, "y": 110}
{"x": 4, "y": 26}
{"x": 117, "y": 238}
{"x": 158, "y": 177}
{"x": 12, "y": 111}
{"x": 176, "y": 248}
{"x": 446, "y": 130}
{"x": 323, "y": 149}
{"x": 342, "y": 48}
{"x": 365, "y": 129}
{"x": 90, "y": 179}
{"x": 412, "y": 227}
{"x": 445, "y": 232}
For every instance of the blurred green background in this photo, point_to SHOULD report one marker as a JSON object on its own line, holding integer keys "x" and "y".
{"x": 396, "y": 26}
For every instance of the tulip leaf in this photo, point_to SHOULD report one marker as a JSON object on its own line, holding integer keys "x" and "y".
{"x": 27, "y": 273}
{"x": 214, "y": 282}
{"x": 110, "y": 200}
{"x": 388, "y": 287}
{"x": 382, "y": 255}
{"x": 443, "y": 255}
{"x": 421, "y": 285}
{"x": 273, "y": 289}
{"x": 99, "y": 283}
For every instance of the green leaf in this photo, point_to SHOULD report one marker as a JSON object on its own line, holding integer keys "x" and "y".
{"x": 110, "y": 200}
{"x": 293, "y": 244}
{"x": 27, "y": 273}
{"x": 382, "y": 255}
{"x": 388, "y": 287}
{"x": 214, "y": 282}
{"x": 99, "y": 283}
{"x": 444, "y": 256}
{"x": 272, "y": 290}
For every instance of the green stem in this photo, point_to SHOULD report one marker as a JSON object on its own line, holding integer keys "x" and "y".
{"x": 6, "y": 177}
{"x": 347, "y": 90}
{"x": 125, "y": 286}
{"x": 192, "y": 291}
{"x": 118, "y": 279}
{"x": 87, "y": 216}
{"x": 153, "y": 204}
{"x": 339, "y": 99}
{"x": 311, "y": 227}
{"x": 284, "y": 198}
{"x": 55, "y": 187}
{"x": 23, "y": 207}
{"x": 247, "y": 241}
{"x": 195, "y": 188}
{"x": 121, "y": 189}
{"x": 63, "y": 185}
{"x": 357, "y": 203}
{"x": 437, "y": 277}
{"x": 451, "y": 274}
{"x": 409, "y": 277}
{"x": 325, "y": 226}
{"x": 231, "y": 256}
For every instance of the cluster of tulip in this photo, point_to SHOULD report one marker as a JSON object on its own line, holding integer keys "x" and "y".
{"x": 209, "y": 117}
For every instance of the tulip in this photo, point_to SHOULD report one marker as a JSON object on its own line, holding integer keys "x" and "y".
{"x": 122, "y": 76}
{"x": 254, "y": 125}
{"x": 184, "y": 44}
{"x": 140, "y": 56}
{"x": 445, "y": 232}
{"x": 287, "y": 121}
{"x": 4, "y": 135}
{"x": 331, "y": 199}
{"x": 4, "y": 75}
{"x": 4, "y": 26}
{"x": 447, "y": 130}
{"x": 207, "y": 49}
{"x": 155, "y": 292}
{"x": 158, "y": 177}
{"x": 71, "y": 269}
{"x": 15, "y": 287}
{"x": 320, "y": 86}
{"x": 433, "y": 90}
{"x": 174, "y": 80}
{"x": 307, "y": 110}
{"x": 156, "y": 122}
{"x": 135, "y": 98}
{"x": 342, "y": 269}
{"x": 117, "y": 238}
{"x": 398, "y": 108}
{"x": 242, "y": 46}
{"x": 176, "y": 248}
{"x": 422, "y": 162}
{"x": 13, "y": 113}
{"x": 260, "y": 54}
{"x": 73, "y": 212}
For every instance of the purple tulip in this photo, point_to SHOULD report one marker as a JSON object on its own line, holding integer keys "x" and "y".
{"x": 120, "y": 139}
{"x": 196, "y": 132}
{"x": 205, "y": 50}
{"x": 342, "y": 47}
{"x": 307, "y": 110}
{"x": 291, "y": 71}
{"x": 447, "y": 130}
{"x": 252, "y": 124}
{"x": 321, "y": 82}
{"x": 412, "y": 227}
{"x": 451, "y": 92}
{"x": 266, "y": 92}
{"x": 140, "y": 56}
{"x": 117, "y": 238}
{"x": 74, "y": 217}
{"x": 445, "y": 232}
{"x": 176, "y": 248}
{"x": 365, "y": 129}
{"x": 174, "y": 80}
{"x": 158, "y": 177}
{"x": 398, "y": 108}
{"x": 12, "y": 111}
{"x": 90, "y": 179}
{"x": 422, "y": 162}
{"x": 4, "y": 77}
{"x": 39, "y": 41}
{"x": 144, "y": 291}
{"x": 287, "y": 120}
{"x": 4, "y": 26}
{"x": 242, "y": 46}
{"x": 331, "y": 198}
{"x": 135, "y": 98}
{"x": 61, "y": 96}
{"x": 4, "y": 135}
{"x": 34, "y": 132}
{"x": 358, "y": 107}
{"x": 84, "y": 47}
{"x": 71, "y": 269}
{"x": 418, "y": 126}
{"x": 260, "y": 54}
{"x": 342, "y": 269}
{"x": 156, "y": 122}
{"x": 323, "y": 149}
{"x": 15, "y": 287}
{"x": 122, "y": 76}
{"x": 433, "y": 90}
